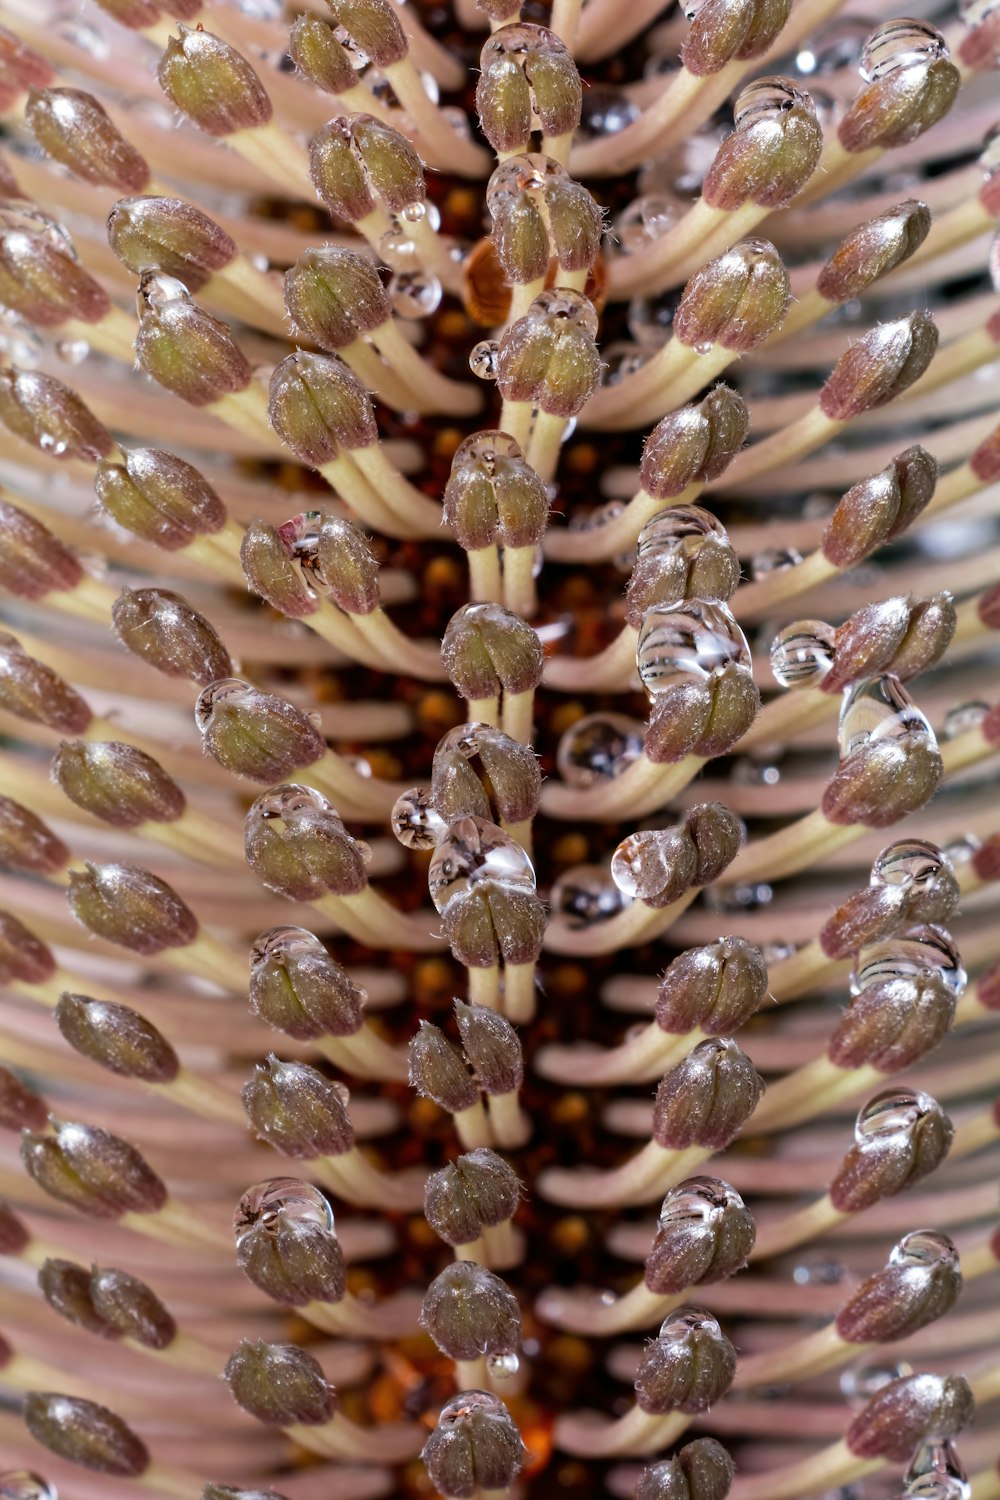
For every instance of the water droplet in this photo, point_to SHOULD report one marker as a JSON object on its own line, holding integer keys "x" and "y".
{"x": 879, "y": 708}
{"x": 651, "y": 319}
{"x": 677, "y": 1325}
{"x": 923, "y": 1248}
{"x": 646, "y": 219}
{"x": 414, "y": 294}
{"x": 415, "y": 822}
{"x": 835, "y": 47}
{"x": 598, "y": 747}
{"x": 397, "y": 249}
{"x": 568, "y": 430}
{"x": 773, "y": 560}
{"x": 819, "y": 1272}
{"x": 606, "y": 111}
{"x": 356, "y": 55}
{"x": 72, "y": 351}
{"x": 457, "y": 120}
{"x": 903, "y": 43}
{"x": 936, "y": 1473}
{"x": 21, "y": 1484}
{"x": 281, "y": 1201}
{"x": 892, "y": 1112}
{"x": 736, "y": 898}
{"x": 526, "y": 173}
{"x": 766, "y": 99}
{"x": 746, "y": 771}
{"x": 776, "y": 953}
{"x": 88, "y": 38}
{"x": 503, "y": 1366}
{"x": 962, "y": 718}
{"x": 691, "y": 640}
{"x": 913, "y": 954}
{"x": 698, "y": 1201}
{"x": 909, "y": 862}
{"x": 484, "y": 359}
{"x": 861, "y": 1382}
{"x": 359, "y": 764}
{"x": 557, "y": 304}
{"x": 584, "y": 895}
{"x": 157, "y": 290}
{"x": 959, "y": 850}
{"x": 474, "y": 853}
{"x": 414, "y": 213}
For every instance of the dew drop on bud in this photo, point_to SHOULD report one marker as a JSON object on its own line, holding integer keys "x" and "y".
{"x": 73, "y": 351}
{"x": 484, "y": 359}
{"x": 281, "y": 1201}
{"x": 879, "y": 708}
{"x": 415, "y": 821}
{"x": 861, "y": 1382}
{"x": 21, "y": 1484}
{"x": 503, "y": 1366}
{"x": 598, "y": 748}
{"x": 773, "y": 560}
{"x": 802, "y": 653}
{"x": 584, "y": 895}
{"x": 893, "y": 1112}
{"x": 562, "y": 304}
{"x": 959, "y": 850}
{"x": 903, "y": 43}
{"x": 475, "y": 853}
{"x": 414, "y": 294}
{"x": 765, "y": 99}
{"x": 923, "y": 1247}
{"x": 914, "y": 953}
{"x": 414, "y": 213}
{"x": 936, "y": 1473}
{"x": 397, "y": 249}
{"x": 681, "y": 531}
{"x": 698, "y": 1200}
{"x": 908, "y": 862}
{"x": 963, "y": 717}
{"x": 694, "y": 639}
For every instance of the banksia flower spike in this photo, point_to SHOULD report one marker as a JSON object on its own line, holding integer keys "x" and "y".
{"x": 498, "y": 638}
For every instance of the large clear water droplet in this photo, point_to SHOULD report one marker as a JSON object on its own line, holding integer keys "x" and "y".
{"x": 474, "y": 853}
{"x": 585, "y": 895}
{"x": 802, "y": 653}
{"x": 892, "y": 1112}
{"x": 561, "y": 304}
{"x": 651, "y": 319}
{"x": 912, "y": 954}
{"x": 767, "y": 99}
{"x": 936, "y": 1472}
{"x": 414, "y": 294}
{"x": 527, "y": 173}
{"x": 902, "y": 43}
{"x": 879, "y": 708}
{"x": 484, "y": 360}
{"x": 283, "y": 943}
{"x": 909, "y": 862}
{"x": 924, "y": 1248}
{"x": 278, "y": 1202}
{"x": 698, "y": 1200}
{"x": 681, "y": 531}
{"x": 606, "y": 111}
{"x": 694, "y": 639}
{"x": 686, "y": 1320}
{"x": 598, "y": 748}
{"x": 416, "y": 823}
{"x": 503, "y": 1366}
{"x": 22, "y": 1484}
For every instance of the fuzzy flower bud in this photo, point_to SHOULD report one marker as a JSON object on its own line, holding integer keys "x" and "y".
{"x": 358, "y": 164}
{"x": 475, "y": 1446}
{"x": 371, "y": 27}
{"x": 24, "y": 958}
{"x": 317, "y": 406}
{"x": 527, "y": 74}
{"x": 682, "y": 552}
{"x": 51, "y": 417}
{"x": 694, "y": 444}
{"x": 438, "y": 1071}
{"x": 130, "y": 908}
{"x": 550, "y": 356}
{"x": 491, "y": 1046}
{"x": 299, "y": 989}
{"x": 85, "y": 1434}
{"x": 911, "y": 85}
{"x": 911, "y": 882}
{"x": 737, "y": 300}
{"x": 887, "y": 772}
{"x": 119, "y": 784}
{"x": 28, "y": 844}
{"x": 212, "y": 83}
{"x": 74, "y": 128}
{"x": 279, "y": 1384}
{"x": 116, "y": 1038}
{"x": 476, "y": 1191}
{"x": 491, "y": 921}
{"x": 297, "y": 844}
{"x": 20, "y": 1107}
{"x": 537, "y": 210}
{"x": 883, "y": 364}
{"x": 688, "y": 1366}
{"x": 66, "y": 1289}
{"x": 920, "y": 1283}
{"x": 900, "y": 1136}
{"x": 660, "y": 864}
{"x": 159, "y": 497}
{"x": 702, "y": 1470}
{"x": 21, "y": 69}
{"x": 41, "y": 279}
{"x": 893, "y": 1024}
{"x": 33, "y": 561}
{"x": 184, "y": 348}
{"x": 772, "y": 152}
{"x": 880, "y": 508}
{"x": 31, "y": 690}
{"x": 131, "y": 1308}
{"x": 722, "y": 30}
{"x": 468, "y": 1311}
{"x": 906, "y": 1412}
{"x": 705, "y": 1233}
{"x": 899, "y": 635}
{"x": 169, "y": 236}
{"x": 274, "y": 573}
{"x": 716, "y": 988}
{"x": 706, "y": 1099}
{"x": 297, "y": 1110}
{"x": 319, "y": 56}
{"x": 873, "y": 250}
{"x": 92, "y": 1170}
{"x": 254, "y": 734}
{"x": 335, "y": 296}
{"x": 347, "y": 566}
{"x": 285, "y": 1243}
{"x": 510, "y": 767}
{"x": 485, "y": 648}
{"x": 493, "y": 496}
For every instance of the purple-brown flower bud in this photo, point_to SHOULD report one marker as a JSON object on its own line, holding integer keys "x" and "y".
{"x": 476, "y": 1191}
{"x": 24, "y": 958}
{"x": 475, "y": 1446}
{"x": 899, "y": 1137}
{"x": 20, "y": 1107}
{"x": 116, "y": 1038}
{"x": 273, "y": 572}
{"x": 279, "y": 1384}
{"x": 703, "y": 714}
{"x": 702, "y": 1470}
{"x": 66, "y": 1288}
{"x": 438, "y": 1071}
{"x": 550, "y": 356}
{"x": 772, "y": 152}
{"x": 169, "y": 236}
{"x": 683, "y": 552}
{"x": 184, "y": 348}
{"x": 31, "y": 690}
{"x": 335, "y": 296}
{"x": 21, "y": 69}
{"x": 319, "y": 56}
{"x": 892, "y": 1025}
{"x": 212, "y": 83}
{"x": 985, "y": 460}
{"x": 85, "y": 1434}
{"x": 51, "y": 417}
{"x": 694, "y": 444}
{"x": 41, "y": 279}
{"x": 136, "y": 15}
{"x": 347, "y": 566}
{"x": 358, "y": 164}
{"x": 372, "y": 27}
{"x": 707, "y": 1098}
{"x": 493, "y": 496}
{"x": 296, "y": 987}
{"x": 722, "y": 30}
{"x": 907, "y": 1412}
{"x": 873, "y": 250}
{"x": 716, "y": 988}
{"x": 920, "y": 1283}
{"x": 880, "y": 508}
{"x": 704, "y": 1234}
{"x": 883, "y": 364}
{"x": 537, "y": 210}
{"x": 884, "y": 779}
{"x": 485, "y": 648}
{"x": 736, "y": 300}
{"x": 318, "y": 406}
{"x": 14, "y": 1235}
{"x": 74, "y": 128}
{"x": 687, "y": 1367}
{"x": 26, "y": 843}
{"x": 491, "y": 1046}
{"x": 117, "y": 783}
{"x": 254, "y": 734}
{"x": 509, "y": 767}
{"x": 130, "y": 908}
{"x": 131, "y": 1308}
{"x": 468, "y": 1311}
{"x": 899, "y": 635}
{"x": 285, "y": 1243}
{"x": 930, "y": 894}
{"x": 911, "y": 85}
{"x": 491, "y": 921}
{"x": 297, "y": 844}
{"x": 159, "y": 497}
{"x": 297, "y": 1110}
{"x": 527, "y": 74}
{"x": 33, "y": 561}
{"x": 92, "y": 1170}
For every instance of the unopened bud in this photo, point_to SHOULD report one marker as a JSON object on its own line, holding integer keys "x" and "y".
{"x": 279, "y": 1384}
{"x": 51, "y": 417}
{"x": 538, "y": 209}
{"x": 906, "y": 1412}
{"x": 131, "y": 908}
{"x": 358, "y": 164}
{"x": 726, "y": 29}
{"x": 892, "y": 1025}
{"x": 184, "y": 348}
{"x": 41, "y": 279}
{"x": 880, "y": 508}
{"x": 33, "y": 561}
{"x": 21, "y": 69}
{"x": 493, "y": 496}
{"x": 117, "y": 783}
{"x": 66, "y": 1288}
{"x": 688, "y": 1366}
{"x": 254, "y": 734}
{"x": 136, "y": 15}
{"x": 372, "y": 28}
{"x": 318, "y": 406}
{"x": 716, "y": 988}
{"x": 26, "y": 843}
{"x": 299, "y": 989}
{"x": 900, "y": 1136}
{"x": 476, "y": 1191}
{"x": 297, "y": 844}
{"x": 132, "y": 1309}
{"x": 494, "y": 920}
{"x": 510, "y": 768}
{"x": 272, "y": 571}
{"x": 699, "y": 713}
{"x": 92, "y": 1170}
{"x": 873, "y": 250}
{"x": 883, "y": 780}
{"x": 212, "y": 83}
{"x": 706, "y": 1099}
{"x": 116, "y": 1038}
{"x": 285, "y": 1243}
{"x": 438, "y": 1072}
{"x": 347, "y": 565}
{"x": 883, "y": 364}
{"x": 550, "y": 356}
{"x": 485, "y": 648}
{"x": 85, "y": 1434}
{"x": 31, "y": 690}
{"x": 694, "y": 444}
{"x": 14, "y": 1235}
{"x": 297, "y": 1110}
{"x": 985, "y": 460}
{"x": 702, "y": 1470}
{"x": 20, "y": 1107}
{"x": 475, "y": 1446}
{"x": 923, "y": 890}
{"x": 319, "y": 55}
{"x": 527, "y": 74}
{"x": 74, "y": 128}
{"x": 736, "y": 300}
{"x": 24, "y": 958}
{"x": 899, "y": 635}
{"x": 911, "y": 85}
{"x": 468, "y": 1312}
{"x": 704, "y": 1234}
{"x": 335, "y": 296}
{"x": 772, "y": 152}
{"x": 169, "y": 236}
{"x": 159, "y": 497}
{"x": 491, "y": 1046}
{"x": 683, "y": 552}
{"x": 919, "y": 1284}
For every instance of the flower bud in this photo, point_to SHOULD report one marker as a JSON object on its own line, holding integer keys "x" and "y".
{"x": 297, "y": 1110}
{"x": 906, "y": 1412}
{"x": 347, "y": 565}
{"x": 227, "y": 1492}
{"x": 883, "y": 780}
{"x": 527, "y": 74}
{"x": 31, "y": 690}
{"x": 476, "y": 1191}
{"x": 279, "y": 1384}
{"x": 898, "y": 635}
{"x": 41, "y": 279}
{"x": 335, "y": 296}
{"x": 317, "y": 53}
{"x": 485, "y": 648}
{"x": 475, "y": 1446}
{"x": 132, "y": 1309}
{"x": 438, "y": 1072}
{"x": 883, "y": 364}
{"x": 702, "y": 1470}
{"x": 702, "y": 715}
{"x": 85, "y": 1434}
{"x": 911, "y": 882}
{"x": 880, "y": 508}
{"x": 273, "y": 572}
{"x": 159, "y": 497}
{"x": 772, "y": 152}
{"x": 874, "y": 249}
{"x": 254, "y": 734}
{"x": 550, "y": 356}
{"x": 372, "y": 28}
{"x": 493, "y": 496}
{"x": 74, "y": 128}
{"x": 297, "y": 987}
{"x": 66, "y": 1288}
{"x": 492, "y": 1048}
{"x": 706, "y": 1098}
{"x": 212, "y": 83}
{"x": 722, "y": 30}
{"x": 33, "y": 561}
{"x": 716, "y": 988}
{"x": 184, "y": 348}
{"x": 468, "y": 1312}
{"x": 358, "y": 164}
{"x": 117, "y": 783}
{"x": 136, "y": 15}
{"x": 920, "y": 1283}
{"x": 705, "y": 1234}
{"x": 687, "y": 1367}
{"x": 20, "y": 1107}
{"x": 169, "y": 236}
{"x": 900, "y": 1137}
{"x": 28, "y": 844}
{"x": 317, "y": 406}
{"x": 297, "y": 844}
{"x": 92, "y": 1170}
{"x": 51, "y": 417}
{"x": 24, "y": 958}
{"x": 537, "y": 210}
{"x": 131, "y": 908}
{"x": 736, "y": 301}
{"x": 116, "y": 1038}
{"x": 985, "y": 460}
{"x": 492, "y": 921}
{"x": 285, "y": 1243}
{"x": 21, "y": 69}
{"x": 510, "y": 768}
{"x": 892, "y": 1025}
{"x": 906, "y": 93}
{"x": 14, "y": 1235}
{"x": 694, "y": 444}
